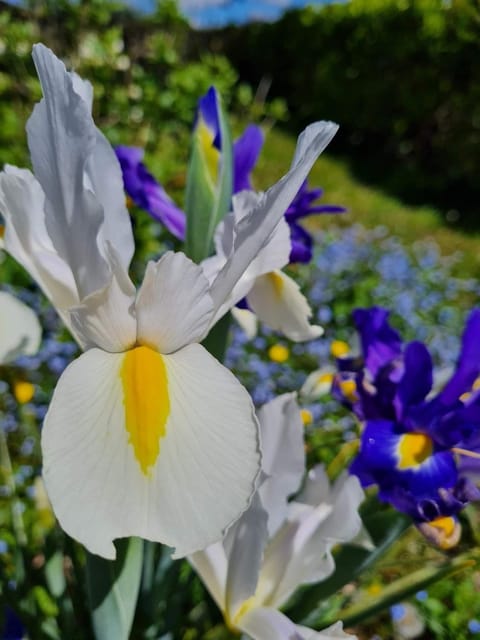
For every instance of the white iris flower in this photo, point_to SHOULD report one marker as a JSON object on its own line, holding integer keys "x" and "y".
{"x": 147, "y": 434}
{"x": 277, "y": 545}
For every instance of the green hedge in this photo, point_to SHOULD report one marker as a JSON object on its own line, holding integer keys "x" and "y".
{"x": 401, "y": 77}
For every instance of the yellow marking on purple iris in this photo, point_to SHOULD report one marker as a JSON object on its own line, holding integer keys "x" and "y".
{"x": 413, "y": 449}
{"x": 445, "y": 532}
{"x": 210, "y": 153}
{"x": 339, "y": 349}
{"x": 349, "y": 390}
{"x": 147, "y": 403}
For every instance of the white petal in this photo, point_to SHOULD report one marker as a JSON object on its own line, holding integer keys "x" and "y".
{"x": 173, "y": 306}
{"x": 20, "y": 331}
{"x": 283, "y": 456}
{"x": 27, "y": 240}
{"x": 278, "y": 302}
{"x": 265, "y": 623}
{"x": 247, "y": 320}
{"x": 211, "y": 566}
{"x": 257, "y": 226}
{"x": 318, "y": 383}
{"x": 106, "y": 318}
{"x": 201, "y": 477}
{"x": 244, "y": 545}
{"x": 319, "y": 518}
{"x": 105, "y": 178}
{"x": 61, "y": 138}
{"x": 273, "y": 255}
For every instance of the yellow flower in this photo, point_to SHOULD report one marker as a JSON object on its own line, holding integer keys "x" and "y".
{"x": 278, "y": 353}
{"x": 23, "y": 391}
{"x": 307, "y": 417}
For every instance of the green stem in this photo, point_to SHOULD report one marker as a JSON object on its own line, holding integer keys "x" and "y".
{"x": 401, "y": 589}
{"x": 7, "y": 472}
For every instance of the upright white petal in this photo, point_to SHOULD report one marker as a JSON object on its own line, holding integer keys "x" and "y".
{"x": 179, "y": 469}
{"x": 211, "y": 566}
{"x": 283, "y": 456}
{"x": 20, "y": 331}
{"x": 255, "y": 228}
{"x": 244, "y": 546}
{"x": 279, "y": 303}
{"x": 174, "y": 307}
{"x": 247, "y": 320}
{"x": 61, "y": 138}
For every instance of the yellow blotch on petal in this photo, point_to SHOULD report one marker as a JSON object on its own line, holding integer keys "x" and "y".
{"x": 278, "y": 353}
{"x": 277, "y": 283}
{"x": 444, "y": 532}
{"x": 307, "y": 417}
{"x": 147, "y": 403}
{"x": 23, "y": 391}
{"x": 413, "y": 449}
{"x": 210, "y": 153}
{"x": 349, "y": 390}
{"x": 339, "y": 348}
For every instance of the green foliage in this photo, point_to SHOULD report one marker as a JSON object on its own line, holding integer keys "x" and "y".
{"x": 400, "y": 76}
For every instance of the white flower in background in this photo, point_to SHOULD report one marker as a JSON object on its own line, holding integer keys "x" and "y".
{"x": 272, "y": 296}
{"x": 318, "y": 383}
{"x": 147, "y": 434}
{"x": 20, "y": 331}
{"x": 276, "y": 545}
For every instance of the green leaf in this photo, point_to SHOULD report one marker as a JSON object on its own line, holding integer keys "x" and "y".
{"x": 206, "y": 201}
{"x": 113, "y": 589}
{"x": 384, "y": 527}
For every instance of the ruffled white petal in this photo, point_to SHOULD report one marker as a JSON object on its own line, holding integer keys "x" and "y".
{"x": 174, "y": 307}
{"x": 319, "y": 518}
{"x": 201, "y": 480}
{"x": 106, "y": 318}
{"x": 278, "y": 302}
{"x": 61, "y": 138}
{"x": 283, "y": 456}
{"x": 20, "y": 331}
{"x": 257, "y": 226}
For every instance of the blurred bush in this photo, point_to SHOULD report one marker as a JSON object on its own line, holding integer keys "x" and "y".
{"x": 400, "y": 76}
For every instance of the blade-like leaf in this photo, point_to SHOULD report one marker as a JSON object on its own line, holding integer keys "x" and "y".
{"x": 113, "y": 589}
{"x": 206, "y": 202}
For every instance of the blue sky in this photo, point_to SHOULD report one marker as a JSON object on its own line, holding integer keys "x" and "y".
{"x": 218, "y": 13}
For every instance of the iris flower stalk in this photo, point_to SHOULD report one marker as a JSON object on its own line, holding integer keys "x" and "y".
{"x": 146, "y": 434}
{"x": 278, "y": 545}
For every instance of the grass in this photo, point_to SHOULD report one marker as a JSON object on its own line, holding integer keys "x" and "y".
{"x": 370, "y": 206}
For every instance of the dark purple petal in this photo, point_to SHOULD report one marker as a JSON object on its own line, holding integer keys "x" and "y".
{"x": 246, "y": 150}
{"x": 301, "y": 244}
{"x": 147, "y": 193}
{"x": 381, "y": 344}
{"x": 468, "y": 367}
{"x": 13, "y": 628}
{"x": 208, "y": 110}
{"x": 416, "y": 382}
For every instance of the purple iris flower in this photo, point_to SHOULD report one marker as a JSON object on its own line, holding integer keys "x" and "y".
{"x": 302, "y": 207}
{"x": 12, "y": 628}
{"x": 419, "y": 450}
{"x": 148, "y": 194}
